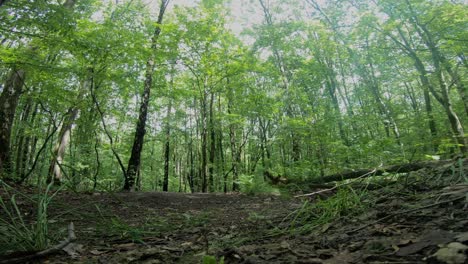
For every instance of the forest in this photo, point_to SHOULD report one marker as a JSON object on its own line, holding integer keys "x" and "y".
{"x": 166, "y": 101}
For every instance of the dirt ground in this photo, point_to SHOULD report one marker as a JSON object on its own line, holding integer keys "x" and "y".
{"x": 420, "y": 221}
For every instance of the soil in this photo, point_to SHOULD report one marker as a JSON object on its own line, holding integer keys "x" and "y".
{"x": 420, "y": 218}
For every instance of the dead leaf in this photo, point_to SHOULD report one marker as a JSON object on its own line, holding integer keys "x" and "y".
{"x": 186, "y": 244}
{"x": 355, "y": 246}
{"x": 284, "y": 244}
{"x": 97, "y": 252}
{"x": 432, "y": 238}
{"x": 126, "y": 246}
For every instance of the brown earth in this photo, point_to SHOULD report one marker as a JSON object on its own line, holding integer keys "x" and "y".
{"x": 422, "y": 219}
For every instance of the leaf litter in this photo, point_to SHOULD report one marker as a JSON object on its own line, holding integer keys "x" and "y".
{"x": 418, "y": 221}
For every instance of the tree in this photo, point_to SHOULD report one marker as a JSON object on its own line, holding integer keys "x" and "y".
{"x": 12, "y": 89}
{"x": 135, "y": 157}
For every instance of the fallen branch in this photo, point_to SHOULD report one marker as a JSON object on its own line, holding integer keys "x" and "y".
{"x": 337, "y": 186}
{"x": 71, "y": 237}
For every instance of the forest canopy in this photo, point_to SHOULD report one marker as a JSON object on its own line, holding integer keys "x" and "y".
{"x": 206, "y": 97}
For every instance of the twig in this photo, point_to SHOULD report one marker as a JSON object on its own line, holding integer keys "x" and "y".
{"x": 405, "y": 212}
{"x": 71, "y": 237}
{"x": 331, "y": 189}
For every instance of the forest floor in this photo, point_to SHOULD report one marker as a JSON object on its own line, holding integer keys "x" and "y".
{"x": 420, "y": 218}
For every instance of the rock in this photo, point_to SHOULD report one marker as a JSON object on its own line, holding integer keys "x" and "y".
{"x": 453, "y": 253}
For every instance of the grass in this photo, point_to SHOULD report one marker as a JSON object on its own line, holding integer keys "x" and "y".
{"x": 18, "y": 234}
{"x": 152, "y": 226}
{"x": 311, "y": 216}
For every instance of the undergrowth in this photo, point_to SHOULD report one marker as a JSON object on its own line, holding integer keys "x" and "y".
{"x": 18, "y": 234}
{"x": 254, "y": 184}
{"x": 318, "y": 214}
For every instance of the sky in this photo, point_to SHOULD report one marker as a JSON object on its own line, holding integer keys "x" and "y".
{"x": 241, "y": 16}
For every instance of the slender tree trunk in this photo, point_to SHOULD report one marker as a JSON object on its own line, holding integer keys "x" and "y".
{"x": 55, "y": 170}
{"x": 21, "y": 141}
{"x": 456, "y": 79}
{"x": 167, "y": 148}
{"x": 190, "y": 161}
{"x": 98, "y": 161}
{"x": 29, "y": 147}
{"x": 204, "y": 143}
{"x": 135, "y": 157}
{"x": 389, "y": 121}
{"x": 439, "y": 60}
{"x": 442, "y": 96}
{"x": 211, "y": 186}
{"x": 235, "y": 157}
{"x": 221, "y": 162}
{"x": 331, "y": 84}
{"x": 285, "y": 75}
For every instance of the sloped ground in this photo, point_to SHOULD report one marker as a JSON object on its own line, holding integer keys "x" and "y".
{"x": 420, "y": 219}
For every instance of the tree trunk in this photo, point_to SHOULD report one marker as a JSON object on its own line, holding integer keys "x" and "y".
{"x": 389, "y": 121}
{"x": 167, "y": 148}
{"x": 331, "y": 84}
{"x": 221, "y": 161}
{"x": 190, "y": 159}
{"x": 441, "y": 96}
{"x": 8, "y": 102}
{"x": 440, "y": 62}
{"x": 234, "y": 157}
{"x": 211, "y": 186}
{"x": 22, "y": 141}
{"x": 55, "y": 170}
{"x": 285, "y": 75}
{"x": 430, "y": 118}
{"x": 135, "y": 157}
{"x": 204, "y": 143}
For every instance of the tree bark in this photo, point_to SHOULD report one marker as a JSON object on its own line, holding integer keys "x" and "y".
{"x": 211, "y": 186}
{"x": 135, "y": 157}
{"x": 55, "y": 170}
{"x": 204, "y": 143}
{"x": 235, "y": 157}
{"x": 8, "y": 103}
{"x": 167, "y": 149}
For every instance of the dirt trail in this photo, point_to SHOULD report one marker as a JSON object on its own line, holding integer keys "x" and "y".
{"x": 412, "y": 221}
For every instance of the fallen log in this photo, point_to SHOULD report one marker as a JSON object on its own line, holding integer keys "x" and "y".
{"x": 400, "y": 168}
